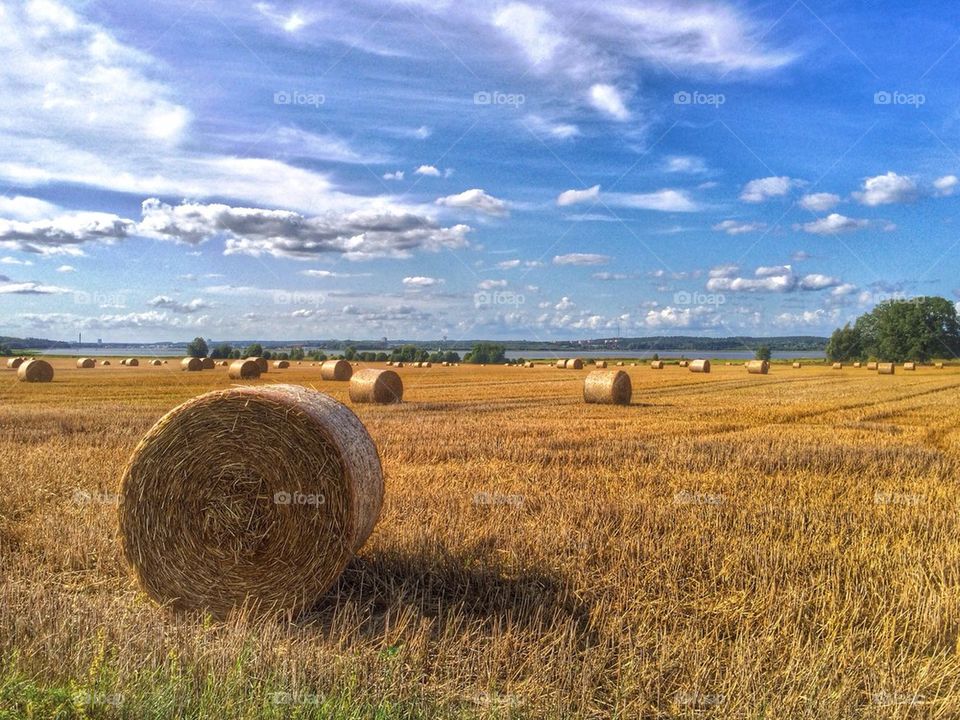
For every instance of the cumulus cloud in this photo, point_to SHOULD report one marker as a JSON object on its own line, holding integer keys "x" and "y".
{"x": 572, "y": 197}
{"x": 168, "y": 303}
{"x": 756, "y": 191}
{"x": 887, "y": 190}
{"x": 685, "y": 164}
{"x": 833, "y": 224}
{"x": 768, "y": 278}
{"x": 253, "y": 231}
{"x": 477, "y": 200}
{"x": 816, "y": 281}
{"x": 819, "y": 202}
{"x": 64, "y": 234}
{"x": 609, "y": 100}
{"x": 946, "y": 185}
{"x": 396, "y": 175}
{"x": 9, "y": 287}
{"x": 667, "y": 200}
{"x": 421, "y": 281}
{"x": 581, "y": 259}
{"x": 20, "y": 207}
{"x": 66, "y": 269}
{"x": 491, "y": 284}
{"x": 735, "y": 227}
{"x": 428, "y": 170}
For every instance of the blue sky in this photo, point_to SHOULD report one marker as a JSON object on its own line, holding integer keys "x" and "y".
{"x": 421, "y": 168}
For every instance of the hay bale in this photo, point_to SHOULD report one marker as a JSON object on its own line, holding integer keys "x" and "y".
{"x": 399, "y": 364}
{"x": 223, "y": 363}
{"x": 131, "y": 362}
{"x": 339, "y": 370}
{"x": 529, "y": 364}
{"x": 281, "y": 364}
{"x": 910, "y": 366}
{"x": 608, "y": 387}
{"x": 857, "y": 365}
{"x": 656, "y": 364}
{"x": 758, "y": 367}
{"x": 208, "y": 363}
{"x": 104, "y": 363}
{"x": 619, "y": 364}
{"x": 376, "y": 386}
{"x": 797, "y": 366}
{"x": 838, "y": 366}
{"x": 251, "y": 497}
{"x": 164, "y": 362}
{"x": 244, "y": 370}
{"x": 939, "y": 366}
{"x": 684, "y": 363}
{"x": 38, "y": 371}
{"x": 261, "y": 363}
{"x": 85, "y": 363}
{"x": 600, "y": 363}
{"x": 886, "y": 368}
{"x": 15, "y": 362}
{"x": 561, "y": 364}
{"x": 700, "y": 366}
{"x": 156, "y": 363}
{"x": 873, "y": 365}
{"x": 574, "y": 364}
{"x": 430, "y": 364}
{"x": 192, "y": 364}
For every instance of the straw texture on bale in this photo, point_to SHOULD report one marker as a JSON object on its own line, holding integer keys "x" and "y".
{"x": 656, "y": 364}
{"x": 339, "y": 370}
{"x": 193, "y": 364}
{"x": 281, "y": 364}
{"x": 244, "y": 370}
{"x": 86, "y": 363}
{"x": 208, "y": 363}
{"x": 251, "y": 497}
{"x": 797, "y": 365}
{"x": 261, "y": 362}
{"x": 131, "y": 362}
{"x": 700, "y": 366}
{"x": 35, "y": 371}
{"x": 574, "y": 364}
{"x": 886, "y": 368}
{"x": 758, "y": 367}
{"x": 838, "y": 366}
{"x": 156, "y": 363}
{"x": 607, "y": 387}
{"x": 15, "y": 362}
{"x": 561, "y": 364}
{"x": 376, "y": 386}
{"x": 872, "y": 365}
{"x": 909, "y": 366}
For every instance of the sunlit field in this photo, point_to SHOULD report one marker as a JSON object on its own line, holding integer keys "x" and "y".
{"x": 729, "y": 545}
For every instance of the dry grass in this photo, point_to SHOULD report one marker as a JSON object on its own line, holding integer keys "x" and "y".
{"x": 778, "y": 546}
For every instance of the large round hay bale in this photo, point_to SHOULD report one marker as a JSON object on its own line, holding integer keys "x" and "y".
{"x": 85, "y": 363}
{"x": 872, "y": 365}
{"x": 574, "y": 364}
{"x": 376, "y": 386}
{"x": 261, "y": 362}
{"x": 758, "y": 367}
{"x": 910, "y": 366}
{"x": 656, "y": 364}
{"x": 15, "y": 362}
{"x": 339, "y": 370}
{"x": 797, "y": 366}
{"x": 208, "y": 363}
{"x": 561, "y": 364}
{"x": 131, "y": 362}
{"x": 838, "y": 366}
{"x": 38, "y": 371}
{"x": 700, "y": 366}
{"x": 193, "y": 364}
{"x": 244, "y": 370}
{"x": 608, "y": 387}
{"x": 252, "y": 497}
{"x": 281, "y": 364}
{"x": 886, "y": 368}
{"x": 156, "y": 363}
{"x": 104, "y": 363}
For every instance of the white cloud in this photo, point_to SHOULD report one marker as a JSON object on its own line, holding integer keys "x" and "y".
{"x": 330, "y": 274}
{"x": 564, "y": 304}
{"x": 551, "y": 129}
{"x": 9, "y": 287}
{"x": 770, "y": 270}
{"x": 491, "y": 284}
{"x": 421, "y": 281}
{"x": 761, "y": 189}
{"x": 768, "y": 278}
{"x": 833, "y": 224}
{"x": 817, "y": 281}
{"x": 428, "y": 170}
{"x": 14, "y": 261}
{"x": 887, "y": 190}
{"x": 685, "y": 164}
{"x": 724, "y": 271}
{"x": 946, "y": 185}
{"x": 62, "y": 235}
{"x": 66, "y": 269}
{"x": 477, "y": 200}
{"x": 531, "y": 29}
{"x": 843, "y": 290}
{"x": 581, "y": 259}
{"x": 396, "y": 175}
{"x": 607, "y": 276}
{"x": 572, "y": 197}
{"x": 20, "y": 207}
{"x": 291, "y": 22}
{"x": 770, "y": 283}
{"x": 735, "y": 227}
{"x": 819, "y": 202}
{"x": 168, "y": 303}
{"x": 508, "y": 264}
{"x": 609, "y": 100}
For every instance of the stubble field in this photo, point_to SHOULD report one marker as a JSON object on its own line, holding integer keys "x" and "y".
{"x": 727, "y": 546}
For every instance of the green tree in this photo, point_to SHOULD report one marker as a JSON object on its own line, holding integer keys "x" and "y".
{"x": 764, "y": 353}
{"x": 350, "y": 353}
{"x": 222, "y": 351}
{"x": 915, "y": 329}
{"x": 487, "y": 353}
{"x": 197, "y": 348}
{"x": 254, "y": 350}
{"x": 296, "y": 353}
{"x": 845, "y": 344}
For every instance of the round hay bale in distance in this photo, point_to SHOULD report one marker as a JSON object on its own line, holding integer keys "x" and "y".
{"x": 261, "y": 362}
{"x": 156, "y": 363}
{"x": 131, "y": 362}
{"x": 574, "y": 364}
{"x": 208, "y": 363}
{"x": 244, "y": 370}
{"x": 797, "y": 366}
{"x": 601, "y": 364}
{"x": 683, "y": 363}
{"x": 700, "y": 366}
{"x": 338, "y": 370}
{"x": 35, "y": 371}
{"x": 104, "y": 363}
{"x": 872, "y": 365}
{"x": 656, "y": 364}
{"x": 15, "y": 362}
{"x": 620, "y": 363}
{"x": 838, "y": 366}
{"x": 607, "y": 387}
{"x": 561, "y": 364}
{"x": 85, "y": 363}
{"x": 251, "y": 497}
{"x": 376, "y": 386}
{"x": 758, "y": 367}
{"x": 886, "y": 368}
{"x": 193, "y": 364}
{"x": 281, "y": 364}
{"x": 939, "y": 366}
{"x": 910, "y": 366}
